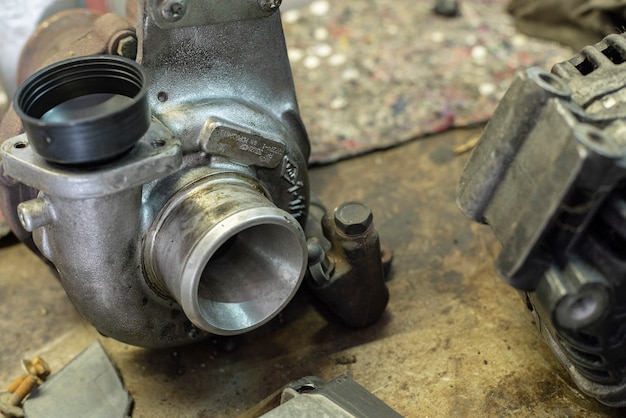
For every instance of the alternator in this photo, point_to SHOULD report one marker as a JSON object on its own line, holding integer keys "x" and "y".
{"x": 549, "y": 177}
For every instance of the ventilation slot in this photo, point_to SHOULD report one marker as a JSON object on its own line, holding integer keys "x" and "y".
{"x": 613, "y": 54}
{"x": 586, "y": 67}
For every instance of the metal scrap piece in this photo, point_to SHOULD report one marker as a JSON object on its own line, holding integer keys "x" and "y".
{"x": 88, "y": 386}
{"x": 340, "y": 397}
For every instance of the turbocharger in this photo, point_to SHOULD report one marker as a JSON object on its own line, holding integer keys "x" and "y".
{"x": 171, "y": 193}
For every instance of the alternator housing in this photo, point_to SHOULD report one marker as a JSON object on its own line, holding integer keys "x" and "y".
{"x": 549, "y": 177}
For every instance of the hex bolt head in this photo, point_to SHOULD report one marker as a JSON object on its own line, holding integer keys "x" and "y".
{"x": 127, "y": 47}
{"x": 173, "y": 10}
{"x": 353, "y": 218}
{"x": 36, "y": 367}
{"x": 269, "y": 5}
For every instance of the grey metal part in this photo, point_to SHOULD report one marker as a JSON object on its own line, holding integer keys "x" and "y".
{"x": 340, "y": 397}
{"x": 156, "y": 155}
{"x": 93, "y": 237}
{"x": 223, "y": 138}
{"x": 611, "y": 395}
{"x": 310, "y": 406}
{"x": 249, "y": 86}
{"x": 503, "y": 137}
{"x": 599, "y": 82}
{"x": 212, "y": 87}
{"x": 89, "y": 386}
{"x": 238, "y": 259}
{"x": 243, "y": 61}
{"x": 575, "y": 296}
{"x": 506, "y": 182}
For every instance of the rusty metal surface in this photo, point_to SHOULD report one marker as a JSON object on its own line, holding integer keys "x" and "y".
{"x": 73, "y": 33}
{"x": 454, "y": 340}
{"x": 349, "y": 276}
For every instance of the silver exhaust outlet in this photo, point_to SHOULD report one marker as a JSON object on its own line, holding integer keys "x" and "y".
{"x": 229, "y": 256}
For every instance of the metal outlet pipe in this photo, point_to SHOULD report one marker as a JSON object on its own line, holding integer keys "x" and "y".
{"x": 229, "y": 257}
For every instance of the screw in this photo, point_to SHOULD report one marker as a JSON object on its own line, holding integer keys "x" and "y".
{"x": 353, "y": 218}
{"x": 10, "y": 401}
{"x": 173, "y": 10}
{"x": 269, "y": 5}
{"x": 26, "y": 386}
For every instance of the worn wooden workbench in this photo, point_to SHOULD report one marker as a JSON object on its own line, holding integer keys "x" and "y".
{"x": 454, "y": 341}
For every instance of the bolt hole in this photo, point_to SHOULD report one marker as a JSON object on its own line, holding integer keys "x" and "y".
{"x": 594, "y": 137}
{"x": 549, "y": 82}
{"x": 157, "y": 143}
{"x": 549, "y": 79}
{"x": 306, "y": 388}
{"x": 20, "y": 145}
{"x": 552, "y": 81}
{"x": 162, "y": 97}
{"x": 176, "y": 9}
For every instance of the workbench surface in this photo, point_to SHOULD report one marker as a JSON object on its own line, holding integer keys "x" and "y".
{"x": 454, "y": 341}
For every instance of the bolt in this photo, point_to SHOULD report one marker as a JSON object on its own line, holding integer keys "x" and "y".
{"x": 10, "y": 402}
{"x": 37, "y": 367}
{"x": 127, "y": 47}
{"x": 16, "y": 383}
{"x": 173, "y": 10}
{"x": 269, "y": 5}
{"x": 353, "y": 218}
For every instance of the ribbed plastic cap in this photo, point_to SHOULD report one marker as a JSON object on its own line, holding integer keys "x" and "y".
{"x": 85, "y": 110}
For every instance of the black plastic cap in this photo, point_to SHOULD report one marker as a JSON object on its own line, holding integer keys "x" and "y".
{"x": 91, "y": 134}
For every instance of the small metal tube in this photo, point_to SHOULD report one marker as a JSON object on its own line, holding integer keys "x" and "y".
{"x": 230, "y": 257}
{"x": 35, "y": 213}
{"x": 576, "y": 297}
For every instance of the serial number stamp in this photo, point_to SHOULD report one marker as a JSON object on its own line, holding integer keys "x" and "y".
{"x": 245, "y": 148}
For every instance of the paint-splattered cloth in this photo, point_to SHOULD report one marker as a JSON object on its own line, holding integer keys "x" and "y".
{"x": 373, "y": 74}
